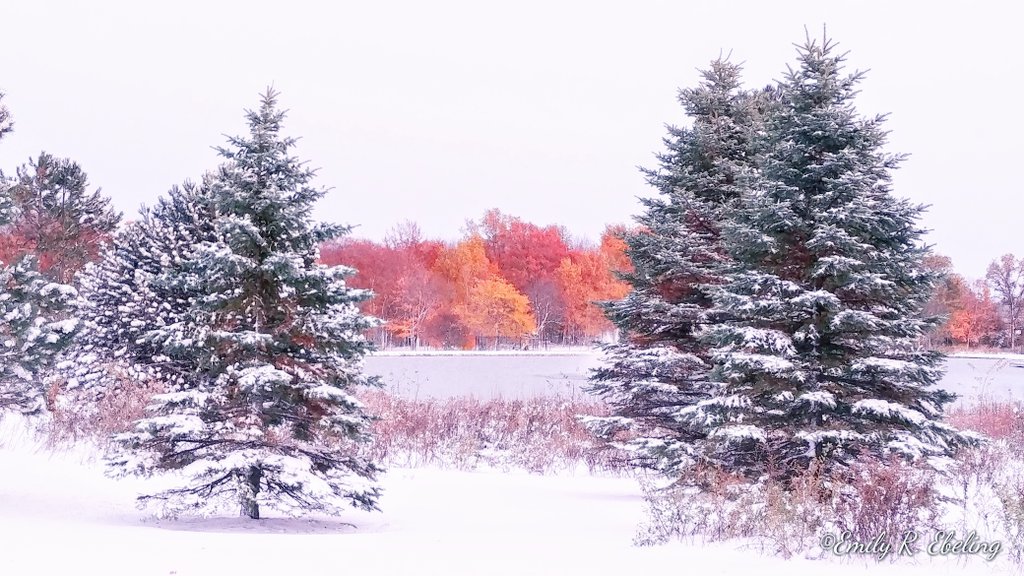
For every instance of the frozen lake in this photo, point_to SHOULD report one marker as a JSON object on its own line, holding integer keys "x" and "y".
{"x": 527, "y": 375}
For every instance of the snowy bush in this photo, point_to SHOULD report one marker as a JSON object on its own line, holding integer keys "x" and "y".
{"x": 80, "y": 414}
{"x": 538, "y": 434}
{"x": 784, "y": 520}
{"x": 989, "y": 481}
{"x": 887, "y": 498}
{"x": 999, "y": 420}
{"x": 789, "y": 518}
{"x": 1010, "y": 492}
{"x": 981, "y": 490}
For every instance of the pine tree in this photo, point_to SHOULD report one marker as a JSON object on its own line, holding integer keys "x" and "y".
{"x": 661, "y": 367}
{"x": 121, "y": 303}
{"x": 58, "y": 220}
{"x": 6, "y": 124}
{"x": 814, "y": 351}
{"x": 34, "y": 329}
{"x": 34, "y": 318}
{"x": 6, "y": 202}
{"x": 275, "y": 338}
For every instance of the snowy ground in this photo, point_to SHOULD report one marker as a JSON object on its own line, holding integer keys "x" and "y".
{"x": 60, "y": 515}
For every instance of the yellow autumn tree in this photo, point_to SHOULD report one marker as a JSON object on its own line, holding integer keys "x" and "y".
{"x": 460, "y": 267}
{"x": 464, "y": 265}
{"x": 495, "y": 309}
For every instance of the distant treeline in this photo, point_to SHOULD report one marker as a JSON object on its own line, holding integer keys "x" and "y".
{"x": 505, "y": 283}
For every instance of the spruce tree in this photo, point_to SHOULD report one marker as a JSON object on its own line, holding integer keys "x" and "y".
{"x": 814, "y": 350}
{"x": 268, "y": 417}
{"x": 661, "y": 367}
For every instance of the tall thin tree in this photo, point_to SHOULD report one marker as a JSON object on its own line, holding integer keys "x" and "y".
{"x": 1006, "y": 276}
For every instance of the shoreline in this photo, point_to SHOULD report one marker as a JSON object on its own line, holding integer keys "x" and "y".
{"x": 581, "y": 351}
{"x": 591, "y": 351}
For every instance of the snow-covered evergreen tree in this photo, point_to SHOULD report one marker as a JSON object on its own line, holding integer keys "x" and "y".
{"x": 6, "y": 124}
{"x": 34, "y": 328}
{"x": 34, "y": 318}
{"x": 58, "y": 219}
{"x": 268, "y": 418}
{"x": 661, "y": 367}
{"x": 121, "y": 304}
{"x": 6, "y": 202}
{"x": 814, "y": 347}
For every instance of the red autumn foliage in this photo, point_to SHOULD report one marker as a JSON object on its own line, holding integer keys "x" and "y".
{"x": 524, "y": 253}
{"x": 506, "y": 282}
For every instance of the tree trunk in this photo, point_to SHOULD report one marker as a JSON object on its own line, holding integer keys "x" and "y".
{"x": 1013, "y": 327}
{"x": 250, "y": 506}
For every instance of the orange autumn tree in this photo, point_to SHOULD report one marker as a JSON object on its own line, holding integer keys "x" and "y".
{"x": 419, "y": 291}
{"x": 587, "y": 277}
{"x": 613, "y": 248}
{"x": 496, "y": 310}
{"x": 460, "y": 267}
{"x": 463, "y": 265}
{"x": 974, "y": 315}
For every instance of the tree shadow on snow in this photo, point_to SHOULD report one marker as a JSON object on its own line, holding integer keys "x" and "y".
{"x": 237, "y": 525}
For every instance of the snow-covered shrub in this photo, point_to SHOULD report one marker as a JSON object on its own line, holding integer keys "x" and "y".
{"x": 783, "y": 519}
{"x": 798, "y": 513}
{"x": 971, "y": 479}
{"x": 988, "y": 485}
{"x": 686, "y": 511}
{"x": 886, "y": 497}
{"x": 538, "y": 434}
{"x": 80, "y": 414}
{"x": 1010, "y": 492}
{"x": 991, "y": 418}
{"x": 789, "y": 518}
{"x": 990, "y": 479}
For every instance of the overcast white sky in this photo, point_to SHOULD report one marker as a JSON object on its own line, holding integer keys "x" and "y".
{"x": 436, "y": 111}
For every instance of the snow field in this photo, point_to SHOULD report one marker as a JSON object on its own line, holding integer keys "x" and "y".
{"x": 60, "y": 515}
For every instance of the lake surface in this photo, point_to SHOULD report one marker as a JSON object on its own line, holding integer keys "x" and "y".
{"x": 488, "y": 376}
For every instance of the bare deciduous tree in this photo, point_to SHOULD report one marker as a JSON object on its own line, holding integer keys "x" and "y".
{"x": 1006, "y": 276}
